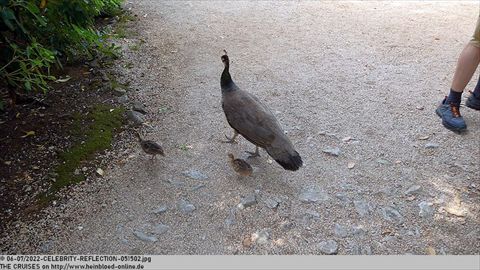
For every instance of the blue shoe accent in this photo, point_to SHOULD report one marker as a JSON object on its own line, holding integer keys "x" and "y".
{"x": 451, "y": 118}
{"x": 473, "y": 102}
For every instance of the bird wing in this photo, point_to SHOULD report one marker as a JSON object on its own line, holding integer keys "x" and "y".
{"x": 249, "y": 117}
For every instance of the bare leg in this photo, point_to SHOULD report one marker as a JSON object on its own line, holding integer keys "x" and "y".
{"x": 254, "y": 154}
{"x": 466, "y": 66}
{"x": 231, "y": 140}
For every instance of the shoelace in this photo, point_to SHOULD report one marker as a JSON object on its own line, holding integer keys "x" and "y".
{"x": 455, "y": 110}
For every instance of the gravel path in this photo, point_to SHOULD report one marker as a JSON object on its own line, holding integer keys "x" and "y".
{"x": 354, "y": 84}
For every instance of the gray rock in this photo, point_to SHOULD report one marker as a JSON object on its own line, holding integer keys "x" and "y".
{"x": 46, "y": 246}
{"x": 358, "y": 231}
{"x": 361, "y": 207}
{"x": 118, "y": 91}
{"x": 340, "y": 231}
{"x": 272, "y": 203}
{"x": 139, "y": 107}
{"x": 230, "y": 220}
{"x": 186, "y": 206}
{"x": 426, "y": 209}
{"x": 262, "y": 237}
{"x": 431, "y": 145}
{"x": 144, "y": 237}
{"x": 194, "y": 174}
{"x": 161, "y": 228}
{"x": 197, "y": 187}
{"x": 122, "y": 99}
{"x": 383, "y": 161}
{"x": 248, "y": 201}
{"x": 328, "y": 247}
{"x": 342, "y": 197}
{"x": 135, "y": 117}
{"x": 335, "y": 151}
{"x": 415, "y": 189}
{"x": 391, "y": 214}
{"x": 160, "y": 209}
{"x": 313, "y": 195}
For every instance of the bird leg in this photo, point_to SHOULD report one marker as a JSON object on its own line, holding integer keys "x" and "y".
{"x": 232, "y": 139}
{"x": 254, "y": 154}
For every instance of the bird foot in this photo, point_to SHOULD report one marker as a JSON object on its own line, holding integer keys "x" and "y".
{"x": 253, "y": 154}
{"x": 230, "y": 140}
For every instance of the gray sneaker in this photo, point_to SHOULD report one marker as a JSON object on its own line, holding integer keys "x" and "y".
{"x": 473, "y": 102}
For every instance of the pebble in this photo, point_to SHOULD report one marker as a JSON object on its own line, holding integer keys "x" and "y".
{"x": 342, "y": 197}
{"x": 272, "y": 203}
{"x": 340, "y": 231}
{"x": 135, "y": 117}
{"x": 119, "y": 91}
{"x": 329, "y": 247}
{"x": 347, "y": 139}
{"x": 426, "y": 209}
{"x": 160, "y": 209}
{"x": 426, "y": 137}
{"x": 415, "y": 189}
{"x": 361, "y": 207}
{"x": 194, "y": 174}
{"x": 350, "y": 165}
{"x": 186, "y": 206}
{"x": 383, "y": 161}
{"x": 332, "y": 151}
{"x": 122, "y": 99}
{"x": 230, "y": 220}
{"x": 431, "y": 145}
{"x": 247, "y": 201}
{"x": 313, "y": 195}
{"x": 392, "y": 215}
{"x": 139, "y": 107}
{"x": 358, "y": 230}
{"x": 161, "y": 228}
{"x": 142, "y": 236}
{"x": 262, "y": 237}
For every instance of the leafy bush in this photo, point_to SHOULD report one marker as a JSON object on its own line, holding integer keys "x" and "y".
{"x": 38, "y": 34}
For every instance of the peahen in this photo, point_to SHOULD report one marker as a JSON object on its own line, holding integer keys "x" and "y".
{"x": 253, "y": 120}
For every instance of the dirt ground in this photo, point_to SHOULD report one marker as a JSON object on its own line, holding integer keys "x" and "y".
{"x": 363, "y": 77}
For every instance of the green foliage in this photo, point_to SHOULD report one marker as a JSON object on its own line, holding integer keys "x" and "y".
{"x": 37, "y": 34}
{"x": 103, "y": 120}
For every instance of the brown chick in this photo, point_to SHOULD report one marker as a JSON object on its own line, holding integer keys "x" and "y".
{"x": 150, "y": 147}
{"x": 240, "y": 166}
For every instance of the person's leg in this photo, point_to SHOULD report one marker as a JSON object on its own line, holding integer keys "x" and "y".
{"x": 473, "y": 100}
{"x": 449, "y": 109}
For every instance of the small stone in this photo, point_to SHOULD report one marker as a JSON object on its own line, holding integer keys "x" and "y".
{"x": 142, "y": 236}
{"x": 248, "y": 201}
{"x": 118, "y": 91}
{"x": 347, "y": 139}
{"x": 135, "y": 117}
{"x": 100, "y": 171}
{"x": 28, "y": 188}
{"x": 269, "y": 161}
{"x": 361, "y": 207}
{"x": 230, "y": 220}
{"x": 431, "y": 145}
{"x": 332, "y": 151}
{"x": 329, "y": 247}
{"x": 424, "y": 137}
{"x": 8, "y": 162}
{"x": 122, "y": 99}
{"x": 160, "y": 209}
{"x": 186, "y": 206}
{"x": 247, "y": 241}
{"x": 383, "y": 161}
{"x": 426, "y": 209}
{"x": 415, "y": 189}
{"x": 340, "y": 231}
{"x": 358, "y": 230}
{"x": 194, "y": 174}
{"x": 262, "y": 237}
{"x": 313, "y": 195}
{"x": 79, "y": 228}
{"x": 76, "y": 172}
{"x": 420, "y": 108}
{"x": 391, "y": 214}
{"x": 161, "y": 228}
{"x": 342, "y": 197}
{"x": 84, "y": 169}
{"x": 139, "y": 107}
{"x": 272, "y": 202}
{"x": 35, "y": 167}
{"x": 350, "y": 165}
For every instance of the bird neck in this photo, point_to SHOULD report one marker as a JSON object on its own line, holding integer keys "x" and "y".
{"x": 226, "y": 81}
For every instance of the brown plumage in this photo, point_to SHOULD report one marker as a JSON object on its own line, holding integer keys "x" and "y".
{"x": 150, "y": 147}
{"x": 240, "y": 166}
{"x": 254, "y": 121}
